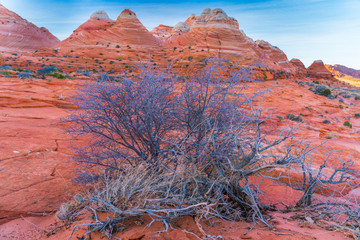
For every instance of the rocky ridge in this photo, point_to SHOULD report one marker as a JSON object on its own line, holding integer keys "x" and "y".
{"x": 211, "y": 33}
{"x": 102, "y": 32}
{"x": 341, "y": 71}
{"x": 19, "y": 35}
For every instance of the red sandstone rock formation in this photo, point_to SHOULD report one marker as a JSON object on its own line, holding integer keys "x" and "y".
{"x": 213, "y": 30}
{"x": 19, "y": 35}
{"x": 100, "y": 31}
{"x": 270, "y": 52}
{"x": 296, "y": 62}
{"x": 162, "y": 31}
{"x": 318, "y": 69}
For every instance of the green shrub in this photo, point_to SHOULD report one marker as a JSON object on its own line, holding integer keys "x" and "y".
{"x": 293, "y": 117}
{"x": 347, "y": 124}
{"x": 280, "y": 118}
{"x": 56, "y": 75}
{"x": 6, "y": 73}
{"x": 18, "y": 69}
{"x": 326, "y": 92}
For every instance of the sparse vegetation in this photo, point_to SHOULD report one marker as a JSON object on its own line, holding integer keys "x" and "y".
{"x": 347, "y": 124}
{"x": 25, "y": 75}
{"x": 56, "y": 75}
{"x": 45, "y": 70}
{"x": 292, "y": 117}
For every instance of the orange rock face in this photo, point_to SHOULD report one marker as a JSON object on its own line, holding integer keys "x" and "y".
{"x": 34, "y": 161}
{"x": 102, "y": 32}
{"x": 213, "y": 30}
{"x": 297, "y": 63}
{"x": 318, "y": 69}
{"x": 17, "y": 34}
{"x": 162, "y": 31}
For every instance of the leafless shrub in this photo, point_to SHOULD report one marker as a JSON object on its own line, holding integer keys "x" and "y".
{"x": 165, "y": 147}
{"x": 327, "y": 187}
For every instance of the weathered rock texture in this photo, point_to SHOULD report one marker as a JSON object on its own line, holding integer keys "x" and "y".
{"x": 318, "y": 69}
{"x": 102, "y": 32}
{"x": 99, "y": 15}
{"x": 19, "y": 35}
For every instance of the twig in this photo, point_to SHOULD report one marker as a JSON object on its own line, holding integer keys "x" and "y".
{"x": 43, "y": 231}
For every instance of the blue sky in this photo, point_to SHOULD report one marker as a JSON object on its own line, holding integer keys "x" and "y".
{"x": 304, "y": 29}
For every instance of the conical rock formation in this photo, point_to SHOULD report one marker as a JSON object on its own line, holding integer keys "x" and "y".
{"x": 17, "y": 34}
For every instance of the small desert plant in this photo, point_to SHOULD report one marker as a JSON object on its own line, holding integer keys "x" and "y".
{"x": 292, "y": 117}
{"x": 6, "y": 73}
{"x": 347, "y": 124}
{"x": 45, "y": 70}
{"x": 25, "y": 75}
{"x": 56, "y": 75}
{"x": 326, "y": 92}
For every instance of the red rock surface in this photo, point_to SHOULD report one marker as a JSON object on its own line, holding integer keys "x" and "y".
{"x": 102, "y": 33}
{"x": 318, "y": 69}
{"x": 287, "y": 229}
{"x": 297, "y": 63}
{"x": 162, "y": 31}
{"x": 17, "y": 34}
{"x": 34, "y": 162}
{"x": 213, "y": 30}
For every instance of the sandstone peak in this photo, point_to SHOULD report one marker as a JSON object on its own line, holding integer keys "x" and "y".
{"x": 298, "y": 63}
{"x": 191, "y": 19}
{"x": 162, "y": 31}
{"x": 318, "y": 69}
{"x": 17, "y": 34}
{"x": 127, "y": 30}
{"x": 216, "y": 16}
{"x": 181, "y": 27}
{"x": 127, "y": 14}
{"x": 206, "y": 11}
{"x": 101, "y": 14}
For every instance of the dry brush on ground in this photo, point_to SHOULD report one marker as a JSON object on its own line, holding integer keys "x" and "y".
{"x": 166, "y": 145}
